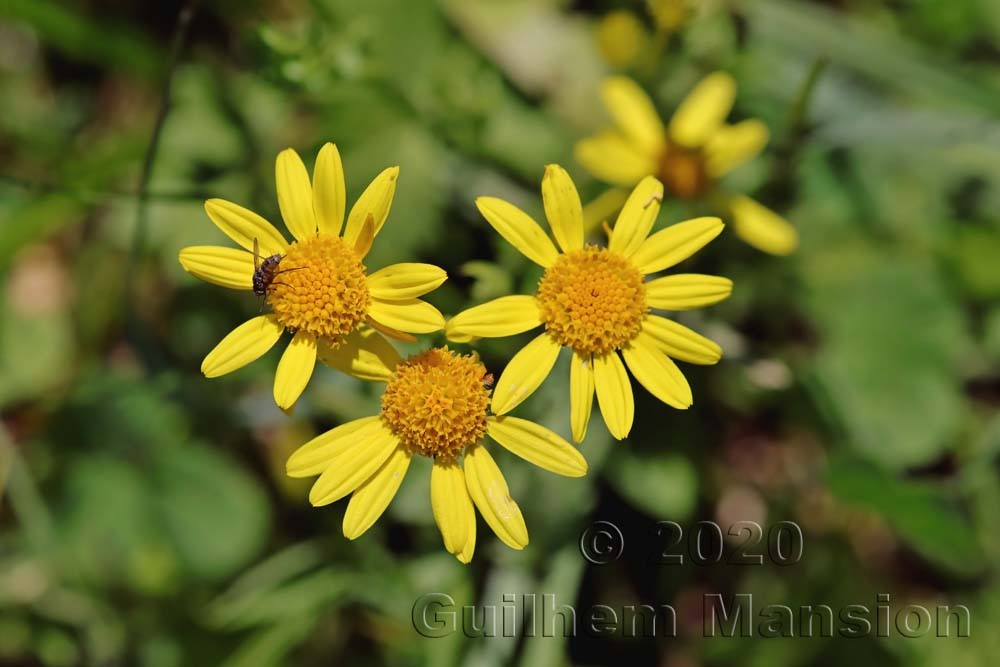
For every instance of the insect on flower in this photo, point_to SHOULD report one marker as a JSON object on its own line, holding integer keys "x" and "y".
{"x": 264, "y": 271}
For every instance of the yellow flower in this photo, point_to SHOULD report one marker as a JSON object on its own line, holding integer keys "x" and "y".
{"x": 317, "y": 287}
{"x": 435, "y": 404}
{"x": 597, "y": 302}
{"x": 689, "y": 155}
{"x": 621, "y": 38}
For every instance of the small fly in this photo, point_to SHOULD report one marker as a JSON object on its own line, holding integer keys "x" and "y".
{"x": 265, "y": 270}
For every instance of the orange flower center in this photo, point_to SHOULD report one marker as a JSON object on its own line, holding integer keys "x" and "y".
{"x": 592, "y": 300}
{"x": 436, "y": 403}
{"x": 320, "y": 287}
{"x": 683, "y": 171}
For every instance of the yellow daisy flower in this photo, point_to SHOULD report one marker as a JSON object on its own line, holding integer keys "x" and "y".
{"x": 689, "y": 155}
{"x": 316, "y": 286}
{"x": 597, "y": 302}
{"x": 435, "y": 404}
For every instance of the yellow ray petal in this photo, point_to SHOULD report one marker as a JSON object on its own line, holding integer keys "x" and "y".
{"x": 614, "y": 394}
{"x": 563, "y": 209}
{"x": 637, "y": 217}
{"x": 603, "y": 208}
{"x": 581, "y": 394}
{"x": 537, "y": 444}
{"x": 243, "y": 226}
{"x": 634, "y": 113}
{"x": 703, "y": 111}
{"x": 489, "y": 492}
{"x": 613, "y": 159}
{"x": 394, "y": 334}
{"x": 524, "y": 373}
{"x": 465, "y": 556}
{"x": 353, "y": 467}
{"x": 328, "y": 190}
{"x": 680, "y": 342}
{"x": 294, "y": 369}
{"x": 684, "y": 291}
{"x": 676, "y": 243}
{"x": 451, "y": 505}
{"x": 315, "y": 456}
{"x": 363, "y": 241}
{"x": 762, "y": 228}
{"x": 228, "y": 267}
{"x": 410, "y": 315}
{"x": 295, "y": 194}
{"x": 405, "y": 281}
{"x": 519, "y": 229}
{"x": 657, "y": 373}
{"x": 505, "y": 316}
{"x": 365, "y": 354}
{"x": 247, "y": 342}
{"x": 375, "y": 200}
{"x": 370, "y": 499}
{"x": 732, "y": 145}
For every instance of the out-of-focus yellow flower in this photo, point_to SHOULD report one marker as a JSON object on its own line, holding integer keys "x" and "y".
{"x": 668, "y": 15}
{"x": 316, "y": 285}
{"x": 621, "y": 37}
{"x": 597, "y": 302}
{"x": 435, "y": 404}
{"x": 689, "y": 155}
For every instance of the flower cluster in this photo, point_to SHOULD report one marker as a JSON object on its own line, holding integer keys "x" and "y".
{"x": 598, "y": 301}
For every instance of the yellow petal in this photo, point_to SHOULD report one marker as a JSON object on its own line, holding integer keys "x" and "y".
{"x": 634, "y": 113}
{"x": 732, "y": 145}
{"x": 524, "y": 373}
{"x": 680, "y": 342}
{"x": 451, "y": 505}
{"x": 295, "y": 369}
{"x": 376, "y": 200}
{"x": 537, "y": 444}
{"x": 657, "y": 373}
{"x": 465, "y": 556}
{"x": 363, "y": 241}
{"x": 603, "y": 208}
{"x": 328, "y": 190}
{"x": 410, "y": 315}
{"x": 228, "y": 267}
{"x": 295, "y": 194}
{"x": 612, "y": 158}
{"x": 614, "y": 394}
{"x": 703, "y": 111}
{"x": 315, "y": 456}
{"x": 394, "y": 334}
{"x": 518, "y": 229}
{"x": 374, "y": 495}
{"x": 489, "y": 492}
{"x": 637, "y": 217}
{"x": 563, "y": 209}
{"x": 763, "y": 228}
{"x": 581, "y": 394}
{"x": 684, "y": 291}
{"x": 676, "y": 243}
{"x": 405, "y": 281}
{"x": 247, "y": 342}
{"x": 365, "y": 354}
{"x": 505, "y": 316}
{"x": 353, "y": 467}
{"x": 243, "y": 226}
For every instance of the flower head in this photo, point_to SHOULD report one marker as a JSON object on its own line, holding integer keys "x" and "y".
{"x": 435, "y": 404}
{"x": 597, "y": 302}
{"x": 316, "y": 286}
{"x": 689, "y": 155}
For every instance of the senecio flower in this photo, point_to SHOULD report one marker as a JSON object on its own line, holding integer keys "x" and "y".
{"x": 690, "y": 155}
{"x": 316, "y": 286}
{"x": 597, "y": 302}
{"x": 435, "y": 404}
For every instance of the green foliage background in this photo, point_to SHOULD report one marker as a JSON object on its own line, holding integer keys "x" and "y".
{"x": 145, "y": 517}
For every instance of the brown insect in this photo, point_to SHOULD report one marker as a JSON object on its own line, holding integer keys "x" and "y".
{"x": 265, "y": 270}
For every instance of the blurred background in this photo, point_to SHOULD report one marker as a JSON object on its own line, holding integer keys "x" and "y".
{"x": 145, "y": 517}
